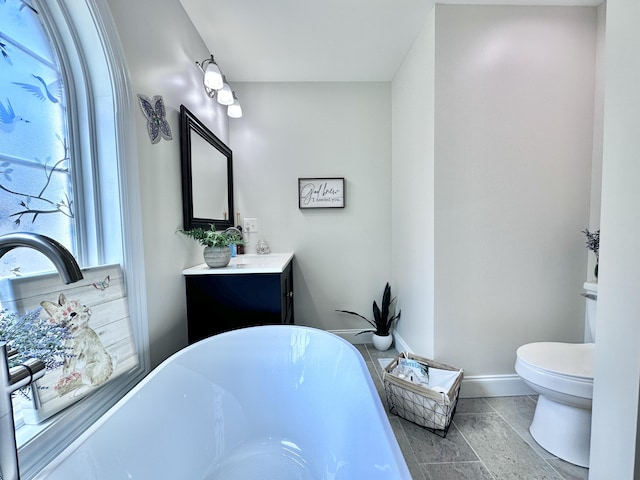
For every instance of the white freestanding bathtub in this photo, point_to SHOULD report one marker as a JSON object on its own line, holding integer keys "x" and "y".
{"x": 272, "y": 402}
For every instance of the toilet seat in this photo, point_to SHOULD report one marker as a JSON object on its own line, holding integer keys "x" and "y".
{"x": 562, "y": 367}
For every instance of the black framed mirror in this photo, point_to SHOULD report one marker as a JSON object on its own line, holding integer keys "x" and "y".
{"x": 207, "y": 175}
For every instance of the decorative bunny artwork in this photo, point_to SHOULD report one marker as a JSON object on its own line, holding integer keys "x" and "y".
{"x": 89, "y": 364}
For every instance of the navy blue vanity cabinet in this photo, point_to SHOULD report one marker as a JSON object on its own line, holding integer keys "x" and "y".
{"x": 252, "y": 290}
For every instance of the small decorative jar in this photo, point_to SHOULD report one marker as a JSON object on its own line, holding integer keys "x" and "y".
{"x": 262, "y": 247}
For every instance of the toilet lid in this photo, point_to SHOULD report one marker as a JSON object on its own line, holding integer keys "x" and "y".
{"x": 571, "y": 359}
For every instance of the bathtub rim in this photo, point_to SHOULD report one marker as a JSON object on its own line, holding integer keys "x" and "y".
{"x": 377, "y": 401}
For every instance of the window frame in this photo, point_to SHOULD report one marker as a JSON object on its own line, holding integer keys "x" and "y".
{"x": 77, "y": 26}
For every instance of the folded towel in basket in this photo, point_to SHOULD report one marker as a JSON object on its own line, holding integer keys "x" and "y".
{"x": 442, "y": 380}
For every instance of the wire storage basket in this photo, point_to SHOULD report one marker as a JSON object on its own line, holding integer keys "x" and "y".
{"x": 428, "y": 407}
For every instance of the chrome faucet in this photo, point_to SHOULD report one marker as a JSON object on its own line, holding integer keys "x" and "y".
{"x": 55, "y": 251}
{"x": 31, "y": 370}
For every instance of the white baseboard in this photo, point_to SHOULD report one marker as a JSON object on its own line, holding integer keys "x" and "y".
{"x": 351, "y": 336}
{"x": 400, "y": 344}
{"x": 472, "y": 387}
{"x": 482, "y": 385}
{"x": 494, "y": 386}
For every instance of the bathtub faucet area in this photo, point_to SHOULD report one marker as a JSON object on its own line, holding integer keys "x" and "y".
{"x": 11, "y": 380}
{"x": 31, "y": 370}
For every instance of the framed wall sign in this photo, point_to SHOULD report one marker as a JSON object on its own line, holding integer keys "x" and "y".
{"x": 321, "y": 192}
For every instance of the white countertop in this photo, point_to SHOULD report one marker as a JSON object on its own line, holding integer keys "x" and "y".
{"x": 247, "y": 263}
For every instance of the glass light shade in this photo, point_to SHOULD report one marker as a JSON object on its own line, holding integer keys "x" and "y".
{"x": 213, "y": 76}
{"x": 225, "y": 95}
{"x": 234, "y": 110}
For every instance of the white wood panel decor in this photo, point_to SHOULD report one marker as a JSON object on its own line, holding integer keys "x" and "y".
{"x": 101, "y": 346}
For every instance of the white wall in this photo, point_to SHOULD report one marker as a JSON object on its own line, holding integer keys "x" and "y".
{"x": 510, "y": 180}
{"x": 413, "y": 191}
{"x": 161, "y": 46}
{"x": 292, "y": 130}
{"x": 343, "y": 257}
{"x": 161, "y": 62}
{"x": 514, "y": 126}
{"x": 614, "y": 441}
{"x": 598, "y": 132}
{"x": 288, "y": 131}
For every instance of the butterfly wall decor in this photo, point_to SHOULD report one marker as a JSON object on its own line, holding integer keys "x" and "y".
{"x": 103, "y": 284}
{"x": 155, "y": 113}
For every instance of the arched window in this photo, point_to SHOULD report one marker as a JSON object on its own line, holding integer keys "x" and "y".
{"x": 36, "y": 168}
{"x": 68, "y": 170}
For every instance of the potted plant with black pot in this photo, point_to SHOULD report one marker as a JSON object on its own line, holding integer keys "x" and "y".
{"x": 382, "y": 323}
{"x": 216, "y": 253}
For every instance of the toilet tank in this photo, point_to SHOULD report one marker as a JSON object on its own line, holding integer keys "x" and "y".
{"x": 591, "y": 296}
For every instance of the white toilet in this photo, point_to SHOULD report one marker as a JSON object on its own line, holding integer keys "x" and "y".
{"x": 562, "y": 374}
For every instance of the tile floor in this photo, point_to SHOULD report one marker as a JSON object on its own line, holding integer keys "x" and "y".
{"x": 488, "y": 440}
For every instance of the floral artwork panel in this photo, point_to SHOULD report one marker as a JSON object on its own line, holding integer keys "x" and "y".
{"x": 101, "y": 346}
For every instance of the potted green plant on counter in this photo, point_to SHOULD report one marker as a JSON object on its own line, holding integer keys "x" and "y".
{"x": 216, "y": 245}
{"x": 382, "y": 323}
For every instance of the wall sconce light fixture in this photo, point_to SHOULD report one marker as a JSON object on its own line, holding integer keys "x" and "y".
{"x": 212, "y": 74}
{"x": 216, "y": 86}
{"x": 234, "y": 110}
{"x": 225, "y": 94}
